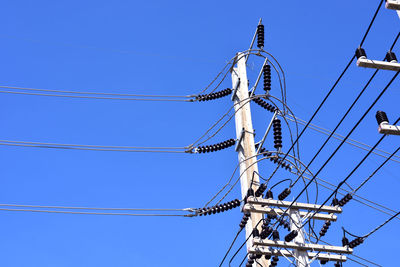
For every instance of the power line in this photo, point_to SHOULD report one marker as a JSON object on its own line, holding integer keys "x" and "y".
{"x": 84, "y": 208}
{"x": 97, "y": 97}
{"x": 372, "y": 22}
{"x": 91, "y": 149}
{"x": 338, "y": 147}
{"x": 340, "y": 137}
{"x": 97, "y": 213}
{"x": 350, "y": 174}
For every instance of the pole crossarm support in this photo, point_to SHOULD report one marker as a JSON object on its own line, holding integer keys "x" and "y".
{"x": 392, "y": 4}
{"x": 313, "y": 247}
{"x": 296, "y": 205}
{"x": 290, "y": 254}
{"x": 277, "y": 211}
{"x": 386, "y": 128}
{"x": 378, "y": 64}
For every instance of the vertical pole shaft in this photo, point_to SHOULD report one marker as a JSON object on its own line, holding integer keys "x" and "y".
{"x": 246, "y": 149}
{"x": 295, "y": 223}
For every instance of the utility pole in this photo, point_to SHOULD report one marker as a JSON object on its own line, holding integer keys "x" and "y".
{"x": 245, "y": 146}
{"x": 295, "y": 223}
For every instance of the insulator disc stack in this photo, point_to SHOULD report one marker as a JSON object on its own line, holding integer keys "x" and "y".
{"x": 276, "y": 124}
{"x": 275, "y": 235}
{"x": 219, "y": 208}
{"x": 325, "y": 228}
{"x": 260, "y": 36}
{"x": 267, "y": 77}
{"x": 285, "y": 193}
{"x": 216, "y": 147}
{"x": 356, "y": 242}
{"x": 264, "y": 104}
{"x": 381, "y": 117}
{"x": 274, "y": 261}
{"x": 345, "y": 199}
{"x": 345, "y": 241}
{"x": 214, "y": 95}
{"x": 245, "y": 218}
{"x": 260, "y": 190}
{"x": 292, "y": 235}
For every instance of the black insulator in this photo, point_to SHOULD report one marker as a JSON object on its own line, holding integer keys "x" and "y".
{"x": 275, "y": 260}
{"x": 356, "y": 242}
{"x": 247, "y": 214}
{"x": 289, "y": 237}
{"x": 276, "y": 123}
{"x": 260, "y": 190}
{"x": 335, "y": 202}
{"x": 264, "y": 104}
{"x": 345, "y": 199}
{"x": 252, "y": 256}
{"x": 275, "y": 235}
{"x": 267, "y": 257}
{"x": 250, "y": 192}
{"x": 391, "y": 57}
{"x": 381, "y": 117}
{"x": 249, "y": 265}
{"x": 256, "y": 233}
{"x": 260, "y": 36}
{"x": 214, "y": 95}
{"x": 323, "y": 262}
{"x": 216, "y": 147}
{"x": 337, "y": 264}
{"x": 286, "y": 225}
{"x": 266, "y": 232}
{"x": 345, "y": 241}
{"x": 284, "y": 194}
{"x": 360, "y": 52}
{"x": 269, "y": 195}
{"x": 267, "y": 77}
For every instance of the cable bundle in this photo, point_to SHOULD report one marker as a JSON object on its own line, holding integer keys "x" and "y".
{"x": 219, "y": 208}
{"x": 267, "y": 77}
{"x": 245, "y": 218}
{"x": 292, "y": 235}
{"x": 260, "y": 36}
{"x": 356, "y": 242}
{"x": 325, "y": 228}
{"x": 285, "y": 193}
{"x": 276, "y": 123}
{"x": 215, "y": 95}
{"x": 216, "y": 147}
{"x": 345, "y": 199}
{"x": 260, "y": 190}
{"x": 264, "y": 104}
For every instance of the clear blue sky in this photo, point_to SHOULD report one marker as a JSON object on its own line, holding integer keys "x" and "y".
{"x": 164, "y": 47}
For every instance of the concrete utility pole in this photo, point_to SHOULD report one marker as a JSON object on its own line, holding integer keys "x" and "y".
{"x": 245, "y": 146}
{"x": 301, "y": 256}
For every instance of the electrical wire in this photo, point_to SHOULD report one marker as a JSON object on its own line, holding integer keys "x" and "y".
{"x": 90, "y": 149}
{"x": 349, "y": 141}
{"x": 96, "y": 213}
{"x": 376, "y": 170}
{"x": 338, "y": 147}
{"x": 372, "y": 22}
{"x": 383, "y": 224}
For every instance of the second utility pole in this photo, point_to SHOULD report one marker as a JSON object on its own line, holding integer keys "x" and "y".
{"x": 245, "y": 145}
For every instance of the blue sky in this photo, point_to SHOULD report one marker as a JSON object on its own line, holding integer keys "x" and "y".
{"x": 176, "y": 48}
